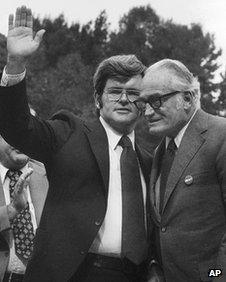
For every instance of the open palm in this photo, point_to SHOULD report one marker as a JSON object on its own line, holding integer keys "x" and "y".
{"x": 20, "y": 41}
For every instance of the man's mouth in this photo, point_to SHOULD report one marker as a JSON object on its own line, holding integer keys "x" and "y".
{"x": 152, "y": 120}
{"x": 122, "y": 110}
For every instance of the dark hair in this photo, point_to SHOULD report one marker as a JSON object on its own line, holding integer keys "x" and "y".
{"x": 120, "y": 68}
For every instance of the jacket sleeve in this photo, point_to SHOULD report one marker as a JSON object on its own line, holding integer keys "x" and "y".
{"x": 221, "y": 169}
{"x": 37, "y": 138}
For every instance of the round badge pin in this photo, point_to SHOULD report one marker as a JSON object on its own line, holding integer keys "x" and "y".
{"x": 188, "y": 180}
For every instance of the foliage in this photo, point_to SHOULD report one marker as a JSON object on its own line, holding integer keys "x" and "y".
{"x": 221, "y": 102}
{"x": 68, "y": 85}
{"x": 142, "y": 32}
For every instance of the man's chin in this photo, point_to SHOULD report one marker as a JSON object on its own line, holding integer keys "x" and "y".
{"x": 154, "y": 129}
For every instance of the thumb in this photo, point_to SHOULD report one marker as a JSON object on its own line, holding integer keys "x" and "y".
{"x": 39, "y": 35}
{"x": 23, "y": 181}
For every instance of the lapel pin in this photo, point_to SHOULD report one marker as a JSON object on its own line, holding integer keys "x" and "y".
{"x": 188, "y": 180}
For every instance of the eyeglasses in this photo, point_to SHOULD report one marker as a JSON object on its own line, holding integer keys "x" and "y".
{"x": 115, "y": 94}
{"x": 156, "y": 102}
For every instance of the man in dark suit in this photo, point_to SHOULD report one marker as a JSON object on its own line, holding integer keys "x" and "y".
{"x": 13, "y": 207}
{"x": 188, "y": 178}
{"x": 95, "y": 222}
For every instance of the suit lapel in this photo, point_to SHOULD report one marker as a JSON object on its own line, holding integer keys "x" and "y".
{"x": 38, "y": 186}
{"x": 2, "y": 196}
{"x": 99, "y": 144}
{"x": 190, "y": 144}
{"x": 4, "y": 233}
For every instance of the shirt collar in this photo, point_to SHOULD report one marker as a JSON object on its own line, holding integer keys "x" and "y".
{"x": 114, "y": 136}
{"x": 180, "y": 135}
{"x": 4, "y": 170}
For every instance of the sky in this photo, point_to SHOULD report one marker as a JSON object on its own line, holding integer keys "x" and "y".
{"x": 211, "y": 14}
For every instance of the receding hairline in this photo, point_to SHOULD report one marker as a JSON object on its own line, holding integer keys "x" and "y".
{"x": 175, "y": 70}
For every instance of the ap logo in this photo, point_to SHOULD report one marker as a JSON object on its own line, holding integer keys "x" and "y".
{"x": 214, "y": 273}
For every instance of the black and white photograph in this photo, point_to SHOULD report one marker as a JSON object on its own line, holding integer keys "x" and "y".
{"x": 113, "y": 141}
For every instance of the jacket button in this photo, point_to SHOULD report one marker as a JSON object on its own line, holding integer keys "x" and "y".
{"x": 97, "y": 223}
{"x": 82, "y": 252}
{"x": 163, "y": 229}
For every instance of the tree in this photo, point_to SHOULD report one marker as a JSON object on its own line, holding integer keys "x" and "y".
{"x": 58, "y": 39}
{"x": 135, "y": 31}
{"x": 142, "y": 32}
{"x": 68, "y": 85}
{"x": 93, "y": 40}
{"x": 221, "y": 102}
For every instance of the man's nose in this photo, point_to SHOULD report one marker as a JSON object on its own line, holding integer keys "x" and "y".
{"x": 124, "y": 98}
{"x": 149, "y": 111}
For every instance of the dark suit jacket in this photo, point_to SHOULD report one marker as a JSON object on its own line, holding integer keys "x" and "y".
{"x": 192, "y": 228}
{"x": 38, "y": 186}
{"x": 76, "y": 157}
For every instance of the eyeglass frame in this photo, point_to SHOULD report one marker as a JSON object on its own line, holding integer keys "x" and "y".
{"x": 123, "y": 91}
{"x": 162, "y": 97}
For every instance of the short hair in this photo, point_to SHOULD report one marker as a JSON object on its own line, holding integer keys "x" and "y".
{"x": 186, "y": 81}
{"x": 120, "y": 68}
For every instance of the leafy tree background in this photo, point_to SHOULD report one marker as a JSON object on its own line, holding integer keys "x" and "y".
{"x": 60, "y": 73}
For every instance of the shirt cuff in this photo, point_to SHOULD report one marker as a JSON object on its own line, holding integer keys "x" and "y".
{"x": 11, "y": 79}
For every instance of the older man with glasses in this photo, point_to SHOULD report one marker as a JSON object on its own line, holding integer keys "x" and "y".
{"x": 188, "y": 178}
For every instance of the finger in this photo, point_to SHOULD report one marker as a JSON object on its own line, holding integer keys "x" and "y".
{"x": 18, "y": 14}
{"x": 39, "y": 35}
{"x": 23, "y": 18}
{"x": 29, "y": 18}
{"x": 10, "y": 22}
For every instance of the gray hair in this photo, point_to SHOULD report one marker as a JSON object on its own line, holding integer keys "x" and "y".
{"x": 183, "y": 79}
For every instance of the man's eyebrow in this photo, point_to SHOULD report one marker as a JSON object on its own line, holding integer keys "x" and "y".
{"x": 121, "y": 88}
{"x": 153, "y": 96}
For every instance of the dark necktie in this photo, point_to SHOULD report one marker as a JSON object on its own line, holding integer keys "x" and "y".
{"x": 167, "y": 161}
{"x": 23, "y": 231}
{"x": 134, "y": 241}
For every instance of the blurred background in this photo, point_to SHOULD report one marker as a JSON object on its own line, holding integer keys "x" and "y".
{"x": 79, "y": 35}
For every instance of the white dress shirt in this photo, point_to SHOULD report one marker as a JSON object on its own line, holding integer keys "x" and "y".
{"x": 108, "y": 240}
{"x": 15, "y": 264}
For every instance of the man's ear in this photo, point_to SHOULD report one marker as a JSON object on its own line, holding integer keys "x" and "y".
{"x": 97, "y": 99}
{"x": 188, "y": 100}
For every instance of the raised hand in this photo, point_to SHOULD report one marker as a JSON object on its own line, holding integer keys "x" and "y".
{"x": 19, "y": 201}
{"x": 20, "y": 41}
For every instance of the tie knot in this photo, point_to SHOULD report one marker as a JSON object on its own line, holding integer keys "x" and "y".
{"x": 14, "y": 174}
{"x": 172, "y": 147}
{"x": 125, "y": 142}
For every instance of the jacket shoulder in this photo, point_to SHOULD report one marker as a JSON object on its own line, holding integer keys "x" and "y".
{"x": 66, "y": 116}
{"x": 37, "y": 166}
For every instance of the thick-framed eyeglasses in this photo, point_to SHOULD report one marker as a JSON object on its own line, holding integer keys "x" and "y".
{"x": 156, "y": 102}
{"x": 115, "y": 94}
